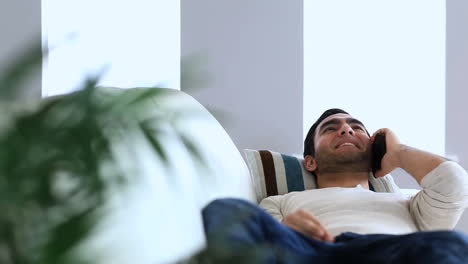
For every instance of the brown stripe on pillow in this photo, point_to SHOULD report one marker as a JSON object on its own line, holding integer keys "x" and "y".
{"x": 269, "y": 171}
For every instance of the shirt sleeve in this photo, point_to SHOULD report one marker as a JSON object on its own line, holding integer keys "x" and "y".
{"x": 272, "y": 205}
{"x": 443, "y": 198}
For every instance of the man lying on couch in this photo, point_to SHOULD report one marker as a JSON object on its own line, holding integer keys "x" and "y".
{"x": 343, "y": 221}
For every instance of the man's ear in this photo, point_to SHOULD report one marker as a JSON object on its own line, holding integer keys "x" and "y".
{"x": 309, "y": 163}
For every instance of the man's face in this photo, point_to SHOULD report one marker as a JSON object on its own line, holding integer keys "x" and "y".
{"x": 341, "y": 145}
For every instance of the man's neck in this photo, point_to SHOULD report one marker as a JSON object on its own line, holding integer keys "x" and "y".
{"x": 343, "y": 179}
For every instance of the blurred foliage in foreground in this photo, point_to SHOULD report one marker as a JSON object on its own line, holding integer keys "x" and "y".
{"x": 57, "y": 163}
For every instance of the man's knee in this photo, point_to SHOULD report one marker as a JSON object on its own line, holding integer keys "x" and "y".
{"x": 227, "y": 213}
{"x": 445, "y": 247}
{"x": 453, "y": 236}
{"x": 442, "y": 244}
{"x": 232, "y": 205}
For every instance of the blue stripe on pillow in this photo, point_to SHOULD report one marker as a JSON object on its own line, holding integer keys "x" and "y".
{"x": 293, "y": 173}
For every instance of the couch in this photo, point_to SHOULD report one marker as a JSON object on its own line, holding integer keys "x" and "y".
{"x": 159, "y": 216}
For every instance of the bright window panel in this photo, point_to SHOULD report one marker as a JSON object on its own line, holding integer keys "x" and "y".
{"x": 382, "y": 61}
{"x": 132, "y": 43}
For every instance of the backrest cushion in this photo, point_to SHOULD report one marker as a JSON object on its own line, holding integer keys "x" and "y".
{"x": 275, "y": 173}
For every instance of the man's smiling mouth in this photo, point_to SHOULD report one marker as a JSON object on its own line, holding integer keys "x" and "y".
{"x": 346, "y": 144}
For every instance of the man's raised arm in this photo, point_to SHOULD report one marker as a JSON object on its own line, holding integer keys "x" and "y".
{"x": 444, "y": 194}
{"x": 416, "y": 162}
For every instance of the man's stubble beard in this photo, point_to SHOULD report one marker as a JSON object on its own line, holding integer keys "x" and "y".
{"x": 328, "y": 162}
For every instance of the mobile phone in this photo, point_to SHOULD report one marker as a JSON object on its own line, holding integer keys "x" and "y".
{"x": 378, "y": 151}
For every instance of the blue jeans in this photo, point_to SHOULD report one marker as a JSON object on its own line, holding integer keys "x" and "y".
{"x": 242, "y": 231}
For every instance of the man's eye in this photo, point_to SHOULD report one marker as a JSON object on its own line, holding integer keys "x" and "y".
{"x": 329, "y": 128}
{"x": 358, "y": 127}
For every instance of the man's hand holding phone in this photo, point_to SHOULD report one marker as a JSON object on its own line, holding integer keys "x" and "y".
{"x": 390, "y": 157}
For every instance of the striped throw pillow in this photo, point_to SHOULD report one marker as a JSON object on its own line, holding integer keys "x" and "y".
{"x": 275, "y": 173}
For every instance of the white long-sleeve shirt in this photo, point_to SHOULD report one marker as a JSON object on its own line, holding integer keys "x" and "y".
{"x": 438, "y": 205}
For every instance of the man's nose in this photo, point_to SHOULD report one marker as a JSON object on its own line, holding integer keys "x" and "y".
{"x": 346, "y": 129}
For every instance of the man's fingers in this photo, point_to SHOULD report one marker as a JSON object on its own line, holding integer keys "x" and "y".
{"x": 329, "y": 238}
{"x": 308, "y": 216}
{"x": 307, "y": 224}
{"x": 317, "y": 231}
{"x": 313, "y": 231}
{"x": 322, "y": 234}
{"x": 307, "y": 227}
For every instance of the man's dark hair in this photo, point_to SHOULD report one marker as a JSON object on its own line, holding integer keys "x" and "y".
{"x": 309, "y": 146}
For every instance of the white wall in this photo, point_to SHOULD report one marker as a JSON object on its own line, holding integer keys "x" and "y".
{"x": 457, "y": 86}
{"x": 20, "y": 28}
{"x": 253, "y": 55}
